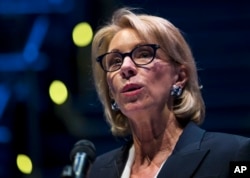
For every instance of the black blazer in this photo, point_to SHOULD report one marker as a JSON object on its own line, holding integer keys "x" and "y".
{"x": 197, "y": 154}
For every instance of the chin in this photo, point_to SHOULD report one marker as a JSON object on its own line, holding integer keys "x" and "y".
{"x": 132, "y": 108}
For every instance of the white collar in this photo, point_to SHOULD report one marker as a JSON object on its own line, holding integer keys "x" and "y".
{"x": 131, "y": 156}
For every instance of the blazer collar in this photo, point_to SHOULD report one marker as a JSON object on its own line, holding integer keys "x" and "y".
{"x": 190, "y": 138}
{"x": 187, "y": 155}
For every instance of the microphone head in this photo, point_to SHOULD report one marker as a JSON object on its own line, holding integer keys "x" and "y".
{"x": 84, "y": 146}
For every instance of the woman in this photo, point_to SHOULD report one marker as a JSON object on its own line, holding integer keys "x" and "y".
{"x": 146, "y": 79}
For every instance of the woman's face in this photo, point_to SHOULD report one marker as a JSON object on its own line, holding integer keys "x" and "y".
{"x": 136, "y": 88}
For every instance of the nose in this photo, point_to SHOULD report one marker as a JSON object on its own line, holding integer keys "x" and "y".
{"x": 128, "y": 68}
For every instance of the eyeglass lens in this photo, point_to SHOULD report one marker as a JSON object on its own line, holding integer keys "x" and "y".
{"x": 140, "y": 55}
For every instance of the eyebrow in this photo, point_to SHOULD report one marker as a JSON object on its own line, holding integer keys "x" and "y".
{"x": 138, "y": 44}
{"x": 114, "y": 51}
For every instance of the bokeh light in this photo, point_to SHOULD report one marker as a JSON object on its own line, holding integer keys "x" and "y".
{"x": 24, "y": 163}
{"x": 58, "y": 92}
{"x": 5, "y": 134}
{"x": 82, "y": 34}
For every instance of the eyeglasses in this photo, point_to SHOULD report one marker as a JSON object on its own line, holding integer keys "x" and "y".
{"x": 140, "y": 55}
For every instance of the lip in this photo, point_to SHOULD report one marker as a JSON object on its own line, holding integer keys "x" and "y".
{"x": 131, "y": 88}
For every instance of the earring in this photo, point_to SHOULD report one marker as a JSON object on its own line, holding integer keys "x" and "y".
{"x": 176, "y": 91}
{"x": 114, "y": 106}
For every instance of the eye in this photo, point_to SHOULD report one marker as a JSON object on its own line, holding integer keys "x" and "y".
{"x": 143, "y": 52}
{"x": 113, "y": 60}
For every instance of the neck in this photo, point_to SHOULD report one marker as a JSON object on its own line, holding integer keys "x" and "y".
{"x": 155, "y": 138}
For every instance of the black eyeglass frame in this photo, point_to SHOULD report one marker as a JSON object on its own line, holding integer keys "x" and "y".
{"x": 123, "y": 55}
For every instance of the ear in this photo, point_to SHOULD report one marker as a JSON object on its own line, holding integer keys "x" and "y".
{"x": 182, "y": 76}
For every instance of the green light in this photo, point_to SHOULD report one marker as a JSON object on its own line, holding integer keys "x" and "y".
{"x": 82, "y": 34}
{"x": 24, "y": 163}
{"x": 58, "y": 92}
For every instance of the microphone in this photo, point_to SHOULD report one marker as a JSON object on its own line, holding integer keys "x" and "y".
{"x": 82, "y": 154}
{"x": 67, "y": 172}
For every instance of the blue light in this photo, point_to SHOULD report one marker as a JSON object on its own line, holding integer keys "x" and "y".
{"x": 5, "y": 135}
{"x": 30, "y": 54}
{"x": 36, "y": 37}
{"x": 4, "y": 97}
{"x": 15, "y": 62}
{"x": 56, "y": 1}
{"x": 35, "y": 6}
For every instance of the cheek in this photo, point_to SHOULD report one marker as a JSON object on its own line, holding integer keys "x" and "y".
{"x": 111, "y": 83}
{"x": 162, "y": 70}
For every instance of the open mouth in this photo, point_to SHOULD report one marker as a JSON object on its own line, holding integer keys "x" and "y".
{"x": 131, "y": 87}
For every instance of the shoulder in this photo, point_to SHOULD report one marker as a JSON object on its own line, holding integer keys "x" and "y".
{"x": 110, "y": 163}
{"x": 104, "y": 164}
{"x": 238, "y": 147}
{"x": 108, "y": 157}
{"x": 225, "y": 138}
{"x": 116, "y": 154}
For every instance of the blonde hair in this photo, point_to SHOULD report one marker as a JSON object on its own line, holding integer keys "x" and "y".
{"x": 189, "y": 106}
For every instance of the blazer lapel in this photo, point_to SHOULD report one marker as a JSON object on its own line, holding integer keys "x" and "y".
{"x": 115, "y": 166}
{"x": 187, "y": 155}
{"x": 184, "y": 161}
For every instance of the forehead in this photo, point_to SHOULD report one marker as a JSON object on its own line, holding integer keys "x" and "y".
{"x": 124, "y": 40}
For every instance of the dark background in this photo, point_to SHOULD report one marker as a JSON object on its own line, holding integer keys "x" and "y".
{"x": 218, "y": 33}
